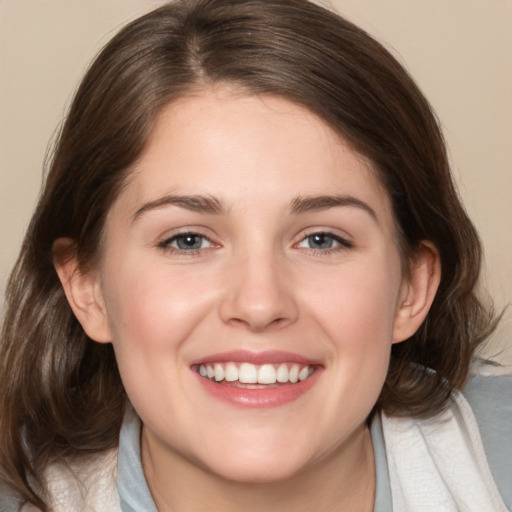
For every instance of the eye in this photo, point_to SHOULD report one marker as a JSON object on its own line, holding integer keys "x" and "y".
{"x": 323, "y": 242}
{"x": 186, "y": 242}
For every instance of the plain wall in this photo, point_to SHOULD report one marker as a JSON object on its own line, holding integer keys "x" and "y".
{"x": 459, "y": 51}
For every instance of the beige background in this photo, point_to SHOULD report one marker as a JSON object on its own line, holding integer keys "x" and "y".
{"x": 460, "y": 52}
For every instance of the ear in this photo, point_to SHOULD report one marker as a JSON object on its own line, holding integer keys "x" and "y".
{"x": 418, "y": 291}
{"x": 83, "y": 291}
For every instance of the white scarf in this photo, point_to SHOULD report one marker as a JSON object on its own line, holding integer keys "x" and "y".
{"x": 439, "y": 464}
{"x": 90, "y": 487}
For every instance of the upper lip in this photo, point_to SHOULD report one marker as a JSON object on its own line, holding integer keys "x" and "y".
{"x": 256, "y": 357}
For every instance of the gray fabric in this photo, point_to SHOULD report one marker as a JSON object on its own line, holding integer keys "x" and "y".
{"x": 135, "y": 496}
{"x": 490, "y": 398}
{"x": 383, "y": 501}
{"x": 131, "y": 484}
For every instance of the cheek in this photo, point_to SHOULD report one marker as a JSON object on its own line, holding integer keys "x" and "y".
{"x": 153, "y": 307}
{"x": 357, "y": 304}
{"x": 151, "y": 314}
{"x": 356, "y": 313}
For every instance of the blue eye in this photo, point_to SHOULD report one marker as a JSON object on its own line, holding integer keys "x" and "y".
{"x": 320, "y": 241}
{"x": 323, "y": 242}
{"x": 186, "y": 242}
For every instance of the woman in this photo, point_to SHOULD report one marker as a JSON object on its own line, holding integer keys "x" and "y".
{"x": 249, "y": 282}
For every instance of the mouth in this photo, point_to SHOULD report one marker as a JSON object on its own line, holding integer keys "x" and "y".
{"x": 260, "y": 380}
{"x": 252, "y": 376}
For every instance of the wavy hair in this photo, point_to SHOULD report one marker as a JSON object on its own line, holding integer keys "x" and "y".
{"x": 60, "y": 392}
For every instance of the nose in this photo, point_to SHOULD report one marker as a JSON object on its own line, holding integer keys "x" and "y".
{"x": 259, "y": 294}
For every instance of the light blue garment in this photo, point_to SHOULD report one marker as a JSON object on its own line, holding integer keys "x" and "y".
{"x": 489, "y": 397}
{"x": 491, "y": 400}
{"x": 133, "y": 490}
{"x": 383, "y": 501}
{"x": 135, "y": 496}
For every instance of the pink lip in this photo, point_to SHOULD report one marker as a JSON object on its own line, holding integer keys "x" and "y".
{"x": 260, "y": 397}
{"x": 248, "y": 356}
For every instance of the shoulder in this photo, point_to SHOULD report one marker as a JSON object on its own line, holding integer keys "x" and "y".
{"x": 85, "y": 486}
{"x": 463, "y": 454}
{"x": 489, "y": 393}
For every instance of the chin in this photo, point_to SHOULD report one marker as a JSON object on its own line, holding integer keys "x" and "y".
{"x": 259, "y": 463}
{"x": 261, "y": 471}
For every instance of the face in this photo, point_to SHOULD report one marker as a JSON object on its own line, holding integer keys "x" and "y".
{"x": 251, "y": 281}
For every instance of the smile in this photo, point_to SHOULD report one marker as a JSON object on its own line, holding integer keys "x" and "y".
{"x": 249, "y": 379}
{"x": 232, "y": 373}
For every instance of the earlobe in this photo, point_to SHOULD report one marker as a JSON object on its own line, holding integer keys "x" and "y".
{"x": 418, "y": 291}
{"x": 83, "y": 291}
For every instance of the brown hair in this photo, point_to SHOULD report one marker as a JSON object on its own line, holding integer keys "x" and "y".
{"x": 61, "y": 394}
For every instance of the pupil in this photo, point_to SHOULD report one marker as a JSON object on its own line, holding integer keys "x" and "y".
{"x": 321, "y": 241}
{"x": 189, "y": 242}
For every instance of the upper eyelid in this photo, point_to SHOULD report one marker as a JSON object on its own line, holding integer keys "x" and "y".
{"x": 334, "y": 232}
{"x": 187, "y": 233}
{"x": 186, "y": 230}
{"x": 166, "y": 245}
{"x": 165, "y": 241}
{"x": 342, "y": 241}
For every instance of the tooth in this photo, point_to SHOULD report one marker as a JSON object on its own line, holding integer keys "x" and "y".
{"x": 231, "y": 373}
{"x": 267, "y": 374}
{"x": 247, "y": 373}
{"x": 219, "y": 372}
{"x": 304, "y": 373}
{"x": 282, "y": 373}
{"x": 294, "y": 373}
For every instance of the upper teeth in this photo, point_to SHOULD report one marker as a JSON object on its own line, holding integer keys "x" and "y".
{"x": 248, "y": 373}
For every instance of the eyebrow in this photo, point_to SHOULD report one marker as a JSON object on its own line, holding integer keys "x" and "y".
{"x": 303, "y": 204}
{"x": 195, "y": 203}
{"x": 214, "y": 206}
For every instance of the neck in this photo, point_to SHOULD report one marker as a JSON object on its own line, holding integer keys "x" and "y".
{"x": 342, "y": 481}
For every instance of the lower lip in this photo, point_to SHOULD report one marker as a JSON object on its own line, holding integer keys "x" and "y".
{"x": 261, "y": 397}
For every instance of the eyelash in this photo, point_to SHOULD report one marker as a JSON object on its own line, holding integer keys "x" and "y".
{"x": 166, "y": 245}
{"x": 342, "y": 243}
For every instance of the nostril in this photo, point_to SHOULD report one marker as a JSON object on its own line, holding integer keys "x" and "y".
{"x": 261, "y": 325}
{"x": 280, "y": 321}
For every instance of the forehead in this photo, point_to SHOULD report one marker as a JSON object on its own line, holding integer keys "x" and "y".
{"x": 239, "y": 147}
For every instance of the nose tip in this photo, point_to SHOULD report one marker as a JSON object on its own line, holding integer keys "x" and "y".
{"x": 258, "y": 320}
{"x": 259, "y": 299}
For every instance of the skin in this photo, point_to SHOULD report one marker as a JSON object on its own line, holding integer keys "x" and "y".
{"x": 257, "y": 282}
